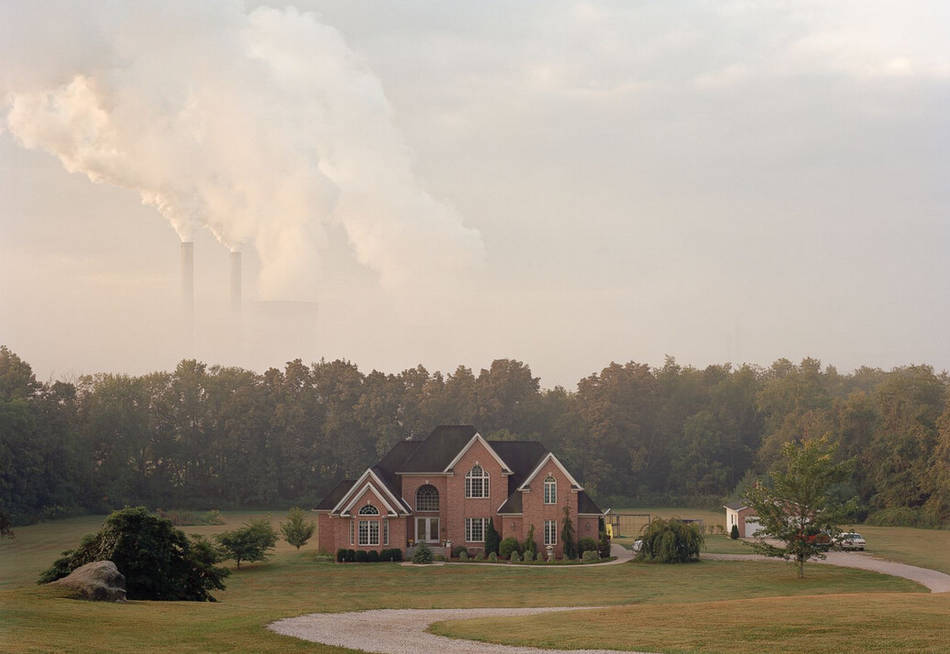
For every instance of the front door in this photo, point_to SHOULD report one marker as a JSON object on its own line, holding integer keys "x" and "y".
{"x": 427, "y": 529}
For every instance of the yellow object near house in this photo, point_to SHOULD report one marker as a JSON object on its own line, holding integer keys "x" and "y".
{"x": 610, "y": 531}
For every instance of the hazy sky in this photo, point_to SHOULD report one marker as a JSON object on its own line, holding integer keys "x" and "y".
{"x": 452, "y": 182}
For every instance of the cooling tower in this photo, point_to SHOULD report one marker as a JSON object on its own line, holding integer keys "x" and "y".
{"x": 236, "y": 281}
{"x": 188, "y": 279}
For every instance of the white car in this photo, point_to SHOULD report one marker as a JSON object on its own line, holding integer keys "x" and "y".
{"x": 851, "y": 540}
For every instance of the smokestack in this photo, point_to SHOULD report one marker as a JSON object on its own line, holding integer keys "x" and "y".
{"x": 236, "y": 281}
{"x": 188, "y": 279}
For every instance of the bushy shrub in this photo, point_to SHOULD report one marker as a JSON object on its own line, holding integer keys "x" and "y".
{"x": 530, "y": 545}
{"x": 340, "y": 555}
{"x": 394, "y": 554}
{"x": 603, "y": 546}
{"x": 492, "y": 556}
{"x": 586, "y": 544}
{"x": 670, "y": 541}
{"x": 514, "y": 557}
{"x": 457, "y": 551}
{"x": 372, "y": 556}
{"x": 440, "y": 557}
{"x": 351, "y": 556}
{"x": 479, "y": 556}
{"x": 159, "y": 562}
{"x": 463, "y": 555}
{"x": 361, "y": 556}
{"x": 589, "y": 556}
{"x": 297, "y": 530}
{"x": 492, "y": 538}
{"x": 529, "y": 556}
{"x": 734, "y": 532}
{"x": 507, "y": 546}
{"x": 422, "y": 554}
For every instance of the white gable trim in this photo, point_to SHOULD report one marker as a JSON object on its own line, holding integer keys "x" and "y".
{"x": 363, "y": 490}
{"x": 477, "y": 438}
{"x": 575, "y": 485}
{"x": 369, "y": 474}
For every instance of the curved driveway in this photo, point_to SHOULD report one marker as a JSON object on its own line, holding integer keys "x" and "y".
{"x": 403, "y": 631}
{"x": 937, "y": 582}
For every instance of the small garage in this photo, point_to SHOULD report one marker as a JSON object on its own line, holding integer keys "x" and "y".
{"x": 744, "y": 518}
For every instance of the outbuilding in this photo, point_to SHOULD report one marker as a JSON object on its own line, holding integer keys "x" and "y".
{"x": 744, "y": 518}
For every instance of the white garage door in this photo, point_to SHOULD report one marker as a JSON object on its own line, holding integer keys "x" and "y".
{"x": 752, "y": 527}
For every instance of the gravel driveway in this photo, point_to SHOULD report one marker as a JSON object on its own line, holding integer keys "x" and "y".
{"x": 403, "y": 631}
{"x": 937, "y": 582}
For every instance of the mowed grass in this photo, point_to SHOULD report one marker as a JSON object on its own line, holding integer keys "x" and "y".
{"x": 34, "y": 618}
{"x": 832, "y": 623}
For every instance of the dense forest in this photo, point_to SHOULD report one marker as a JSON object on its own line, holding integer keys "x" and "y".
{"x": 215, "y": 437}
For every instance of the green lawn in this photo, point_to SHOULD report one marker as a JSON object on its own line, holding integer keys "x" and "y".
{"x": 805, "y": 625}
{"x": 34, "y": 618}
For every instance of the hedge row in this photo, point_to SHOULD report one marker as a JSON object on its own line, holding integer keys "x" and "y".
{"x": 368, "y": 556}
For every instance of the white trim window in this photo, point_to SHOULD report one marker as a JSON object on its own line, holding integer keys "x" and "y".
{"x": 368, "y": 529}
{"x": 427, "y": 498}
{"x": 550, "y": 490}
{"x": 476, "y": 482}
{"x": 352, "y": 528}
{"x": 385, "y": 531}
{"x": 550, "y": 532}
{"x": 369, "y": 509}
{"x": 475, "y": 529}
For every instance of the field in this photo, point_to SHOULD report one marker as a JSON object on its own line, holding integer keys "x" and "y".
{"x": 34, "y": 618}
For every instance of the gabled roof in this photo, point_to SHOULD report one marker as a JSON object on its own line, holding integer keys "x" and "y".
{"x": 735, "y": 506}
{"x": 586, "y": 505}
{"x": 331, "y": 500}
{"x": 438, "y": 449}
{"x": 477, "y": 438}
{"x": 512, "y": 504}
{"x": 550, "y": 457}
{"x": 380, "y": 496}
{"x": 521, "y": 456}
{"x": 393, "y": 500}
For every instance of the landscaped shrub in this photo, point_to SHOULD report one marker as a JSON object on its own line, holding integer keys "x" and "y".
{"x": 479, "y": 556}
{"x": 463, "y": 555}
{"x": 589, "y": 556}
{"x": 440, "y": 557}
{"x": 422, "y": 554}
{"x": 567, "y": 536}
{"x": 670, "y": 541}
{"x": 507, "y": 546}
{"x": 514, "y": 557}
{"x": 351, "y": 556}
{"x": 530, "y": 545}
{"x": 457, "y": 551}
{"x": 361, "y": 556}
{"x": 734, "y": 532}
{"x": 586, "y": 544}
{"x": 529, "y": 556}
{"x": 492, "y": 538}
{"x": 340, "y": 555}
{"x": 603, "y": 546}
{"x": 492, "y": 556}
{"x": 372, "y": 556}
{"x": 394, "y": 554}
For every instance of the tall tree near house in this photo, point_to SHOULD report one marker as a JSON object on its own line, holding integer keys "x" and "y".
{"x": 297, "y": 530}
{"x": 567, "y": 536}
{"x": 798, "y": 507}
{"x": 492, "y": 538}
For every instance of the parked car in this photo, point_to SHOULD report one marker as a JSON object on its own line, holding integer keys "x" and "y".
{"x": 850, "y": 540}
{"x": 637, "y": 545}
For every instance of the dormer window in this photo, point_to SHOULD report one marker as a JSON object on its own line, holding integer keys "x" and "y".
{"x": 476, "y": 482}
{"x": 550, "y": 490}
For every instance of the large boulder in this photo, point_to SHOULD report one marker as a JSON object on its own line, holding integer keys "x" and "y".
{"x": 99, "y": 580}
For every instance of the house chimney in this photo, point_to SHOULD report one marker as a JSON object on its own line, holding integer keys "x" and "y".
{"x": 236, "y": 281}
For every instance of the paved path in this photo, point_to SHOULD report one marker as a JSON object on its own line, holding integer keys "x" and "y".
{"x": 937, "y": 582}
{"x": 403, "y": 631}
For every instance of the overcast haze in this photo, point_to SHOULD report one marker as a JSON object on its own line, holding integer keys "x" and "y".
{"x": 562, "y": 183}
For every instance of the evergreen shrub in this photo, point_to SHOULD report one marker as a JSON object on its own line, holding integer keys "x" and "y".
{"x": 507, "y": 546}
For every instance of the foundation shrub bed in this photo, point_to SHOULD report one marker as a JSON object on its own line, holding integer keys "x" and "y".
{"x": 507, "y": 546}
{"x": 586, "y": 544}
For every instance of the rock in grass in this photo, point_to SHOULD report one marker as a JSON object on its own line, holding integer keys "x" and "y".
{"x": 100, "y": 581}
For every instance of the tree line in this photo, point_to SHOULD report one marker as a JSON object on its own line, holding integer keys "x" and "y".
{"x": 221, "y": 437}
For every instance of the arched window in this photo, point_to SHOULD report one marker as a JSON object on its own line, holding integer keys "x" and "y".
{"x": 550, "y": 490}
{"x": 427, "y": 498}
{"x": 368, "y": 530}
{"x": 476, "y": 482}
{"x": 369, "y": 509}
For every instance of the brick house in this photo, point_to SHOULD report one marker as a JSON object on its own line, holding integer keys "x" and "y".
{"x": 446, "y": 487}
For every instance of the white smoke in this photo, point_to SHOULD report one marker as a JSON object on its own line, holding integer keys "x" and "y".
{"x": 262, "y": 127}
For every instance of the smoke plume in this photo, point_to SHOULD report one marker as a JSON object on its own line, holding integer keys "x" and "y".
{"x": 263, "y": 127}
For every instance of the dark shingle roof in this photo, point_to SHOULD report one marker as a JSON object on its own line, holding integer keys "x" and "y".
{"x": 521, "y": 456}
{"x": 585, "y": 504}
{"x": 330, "y": 501}
{"x": 438, "y": 449}
{"x": 512, "y": 504}
{"x": 735, "y": 506}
